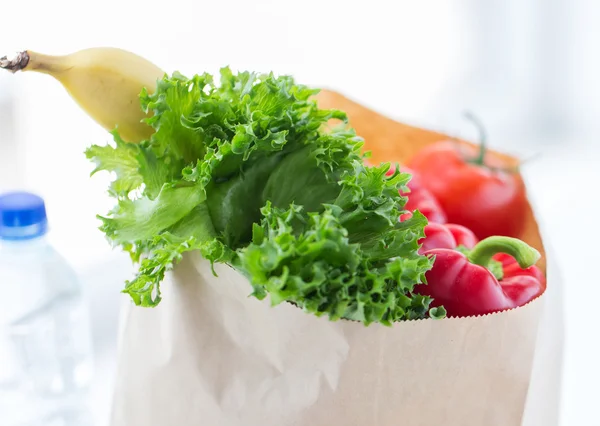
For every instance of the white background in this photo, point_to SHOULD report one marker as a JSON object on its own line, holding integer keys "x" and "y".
{"x": 528, "y": 69}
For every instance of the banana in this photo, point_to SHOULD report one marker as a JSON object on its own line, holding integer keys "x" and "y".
{"x": 105, "y": 82}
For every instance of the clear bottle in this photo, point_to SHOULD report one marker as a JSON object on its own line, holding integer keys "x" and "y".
{"x": 45, "y": 341}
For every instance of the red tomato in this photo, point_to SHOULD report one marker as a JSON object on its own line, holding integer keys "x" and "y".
{"x": 487, "y": 198}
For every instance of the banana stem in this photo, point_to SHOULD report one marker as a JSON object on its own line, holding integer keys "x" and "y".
{"x": 18, "y": 63}
{"x": 32, "y": 61}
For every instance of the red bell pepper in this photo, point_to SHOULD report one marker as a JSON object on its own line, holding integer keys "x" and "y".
{"x": 420, "y": 198}
{"x": 511, "y": 268}
{"x": 464, "y": 286}
{"x": 448, "y": 236}
{"x": 426, "y": 203}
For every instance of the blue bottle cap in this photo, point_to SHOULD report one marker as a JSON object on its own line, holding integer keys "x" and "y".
{"x": 22, "y": 216}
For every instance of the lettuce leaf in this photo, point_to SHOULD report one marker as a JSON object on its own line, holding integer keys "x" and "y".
{"x": 309, "y": 260}
{"x": 248, "y": 173}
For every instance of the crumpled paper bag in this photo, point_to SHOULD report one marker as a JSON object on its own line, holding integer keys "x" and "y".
{"x": 211, "y": 355}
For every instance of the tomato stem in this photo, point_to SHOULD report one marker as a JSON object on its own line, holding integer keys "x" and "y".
{"x": 524, "y": 254}
{"x": 480, "y": 159}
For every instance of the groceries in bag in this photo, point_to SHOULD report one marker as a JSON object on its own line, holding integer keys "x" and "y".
{"x": 243, "y": 170}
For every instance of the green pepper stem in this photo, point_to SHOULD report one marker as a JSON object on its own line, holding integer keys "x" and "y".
{"x": 524, "y": 254}
{"x": 480, "y": 159}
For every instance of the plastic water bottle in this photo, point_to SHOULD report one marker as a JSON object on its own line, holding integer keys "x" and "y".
{"x": 45, "y": 342}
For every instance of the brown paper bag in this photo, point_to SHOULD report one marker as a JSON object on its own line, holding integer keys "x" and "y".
{"x": 211, "y": 355}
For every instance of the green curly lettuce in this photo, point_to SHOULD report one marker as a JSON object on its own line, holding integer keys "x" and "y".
{"x": 247, "y": 172}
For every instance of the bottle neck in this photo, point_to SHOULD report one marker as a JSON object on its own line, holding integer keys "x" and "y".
{"x": 23, "y": 243}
